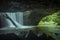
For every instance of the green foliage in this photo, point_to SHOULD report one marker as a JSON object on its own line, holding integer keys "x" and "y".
{"x": 48, "y": 24}
{"x": 55, "y": 17}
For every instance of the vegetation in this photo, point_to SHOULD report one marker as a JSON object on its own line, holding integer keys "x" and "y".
{"x": 49, "y": 24}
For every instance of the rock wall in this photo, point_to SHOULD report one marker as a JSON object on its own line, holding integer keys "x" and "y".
{"x": 39, "y": 8}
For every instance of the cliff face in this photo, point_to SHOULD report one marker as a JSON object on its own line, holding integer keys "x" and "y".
{"x": 21, "y": 5}
{"x": 38, "y": 8}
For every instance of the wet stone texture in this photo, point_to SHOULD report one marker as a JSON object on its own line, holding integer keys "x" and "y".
{"x": 30, "y": 36}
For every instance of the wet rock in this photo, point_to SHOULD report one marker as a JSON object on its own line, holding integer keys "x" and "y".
{"x": 9, "y": 37}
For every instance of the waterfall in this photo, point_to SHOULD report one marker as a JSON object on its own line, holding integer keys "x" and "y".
{"x": 19, "y": 17}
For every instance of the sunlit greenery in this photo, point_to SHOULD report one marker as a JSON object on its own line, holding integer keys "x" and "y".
{"x": 51, "y": 19}
{"x": 49, "y": 24}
